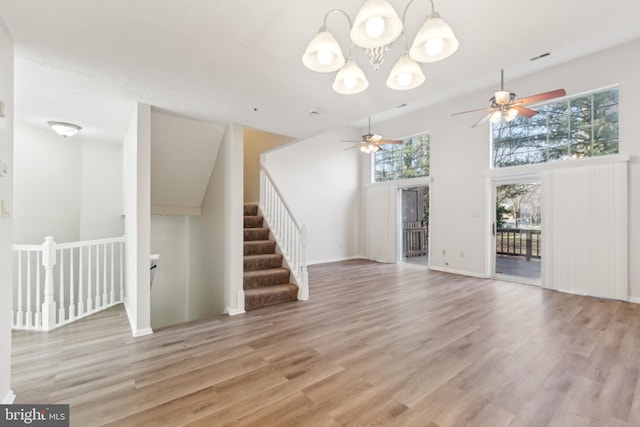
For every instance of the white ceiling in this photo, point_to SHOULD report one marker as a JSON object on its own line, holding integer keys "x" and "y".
{"x": 89, "y": 61}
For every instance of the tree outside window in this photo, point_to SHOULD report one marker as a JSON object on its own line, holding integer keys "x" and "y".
{"x": 582, "y": 126}
{"x": 403, "y": 161}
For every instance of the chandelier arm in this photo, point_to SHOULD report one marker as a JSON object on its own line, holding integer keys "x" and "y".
{"x": 406, "y": 8}
{"x": 340, "y": 11}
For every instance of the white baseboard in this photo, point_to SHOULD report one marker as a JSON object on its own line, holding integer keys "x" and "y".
{"x": 459, "y": 272}
{"x": 9, "y": 398}
{"x": 325, "y": 261}
{"x": 635, "y": 300}
{"x": 233, "y": 312}
{"x": 142, "y": 332}
{"x": 134, "y": 326}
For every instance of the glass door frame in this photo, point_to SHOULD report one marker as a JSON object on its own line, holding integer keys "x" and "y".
{"x": 496, "y": 179}
{"x": 399, "y": 188}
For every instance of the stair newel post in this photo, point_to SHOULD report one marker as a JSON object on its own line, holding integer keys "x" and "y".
{"x": 49, "y": 304}
{"x": 304, "y": 276}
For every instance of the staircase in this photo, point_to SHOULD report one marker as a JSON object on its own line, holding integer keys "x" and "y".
{"x": 266, "y": 281}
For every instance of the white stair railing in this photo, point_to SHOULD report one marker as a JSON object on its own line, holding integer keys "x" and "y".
{"x": 90, "y": 279}
{"x": 289, "y": 234}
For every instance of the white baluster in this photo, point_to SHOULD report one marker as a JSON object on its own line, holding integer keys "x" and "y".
{"x": 72, "y": 290}
{"x": 38, "y": 322}
{"x": 105, "y": 299}
{"x": 49, "y": 305}
{"x": 61, "y": 310}
{"x": 121, "y": 271}
{"x": 89, "y": 283}
{"x": 29, "y": 319}
{"x": 80, "y": 283}
{"x": 97, "y": 264}
{"x": 20, "y": 313}
{"x": 112, "y": 296}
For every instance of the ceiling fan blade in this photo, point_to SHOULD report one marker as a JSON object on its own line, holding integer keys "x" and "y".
{"x": 351, "y": 148}
{"x": 349, "y": 140}
{"x": 473, "y": 111}
{"x": 525, "y": 112}
{"x": 389, "y": 141}
{"x": 482, "y": 120}
{"x": 540, "y": 97}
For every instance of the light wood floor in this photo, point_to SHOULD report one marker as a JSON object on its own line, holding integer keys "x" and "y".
{"x": 376, "y": 345}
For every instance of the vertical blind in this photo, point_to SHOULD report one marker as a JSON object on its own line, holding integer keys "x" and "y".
{"x": 585, "y": 229}
{"x": 381, "y": 213}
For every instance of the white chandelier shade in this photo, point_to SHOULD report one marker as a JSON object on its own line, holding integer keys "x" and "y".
{"x": 375, "y": 28}
{"x": 406, "y": 74}
{"x": 376, "y": 24}
{"x": 435, "y": 41}
{"x": 323, "y": 54}
{"x": 350, "y": 79}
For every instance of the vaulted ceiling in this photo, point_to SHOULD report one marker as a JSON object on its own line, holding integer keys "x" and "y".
{"x": 89, "y": 61}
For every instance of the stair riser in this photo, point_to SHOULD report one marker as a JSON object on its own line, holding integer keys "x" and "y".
{"x": 259, "y": 248}
{"x": 253, "y": 221}
{"x": 278, "y": 277}
{"x": 265, "y": 281}
{"x": 253, "y": 302}
{"x": 250, "y": 210}
{"x": 256, "y": 234}
{"x": 262, "y": 263}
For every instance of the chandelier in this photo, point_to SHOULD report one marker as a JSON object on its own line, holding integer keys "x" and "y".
{"x": 375, "y": 28}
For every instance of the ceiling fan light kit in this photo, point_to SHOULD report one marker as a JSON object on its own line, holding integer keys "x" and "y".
{"x": 504, "y": 105}
{"x": 376, "y": 27}
{"x": 371, "y": 143}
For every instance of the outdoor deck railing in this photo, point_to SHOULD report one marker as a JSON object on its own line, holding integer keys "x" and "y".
{"x": 415, "y": 239}
{"x": 518, "y": 242}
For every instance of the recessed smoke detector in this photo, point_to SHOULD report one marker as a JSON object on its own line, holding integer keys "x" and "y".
{"x": 314, "y": 112}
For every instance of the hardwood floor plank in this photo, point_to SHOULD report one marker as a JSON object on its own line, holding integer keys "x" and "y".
{"x": 377, "y": 344}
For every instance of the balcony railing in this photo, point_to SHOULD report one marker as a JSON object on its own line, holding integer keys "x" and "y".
{"x": 518, "y": 242}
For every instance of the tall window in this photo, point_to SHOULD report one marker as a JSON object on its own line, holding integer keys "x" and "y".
{"x": 409, "y": 160}
{"x": 582, "y": 126}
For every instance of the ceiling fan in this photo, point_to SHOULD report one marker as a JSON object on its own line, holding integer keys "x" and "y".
{"x": 504, "y": 104}
{"x": 370, "y": 142}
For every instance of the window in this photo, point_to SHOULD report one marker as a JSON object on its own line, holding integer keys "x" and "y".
{"x": 409, "y": 160}
{"x": 582, "y": 126}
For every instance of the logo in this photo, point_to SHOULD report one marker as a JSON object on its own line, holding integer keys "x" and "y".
{"x": 34, "y": 415}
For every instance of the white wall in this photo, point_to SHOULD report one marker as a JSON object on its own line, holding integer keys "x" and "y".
{"x": 170, "y": 239}
{"x": 199, "y": 272}
{"x": 68, "y": 188}
{"x": 321, "y": 183}
{"x": 460, "y": 156}
{"x": 6, "y": 195}
{"x": 47, "y": 186}
{"x": 136, "y": 177}
{"x": 101, "y": 191}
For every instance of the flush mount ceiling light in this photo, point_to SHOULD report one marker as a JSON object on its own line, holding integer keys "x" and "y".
{"x": 374, "y": 29}
{"x": 64, "y": 129}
